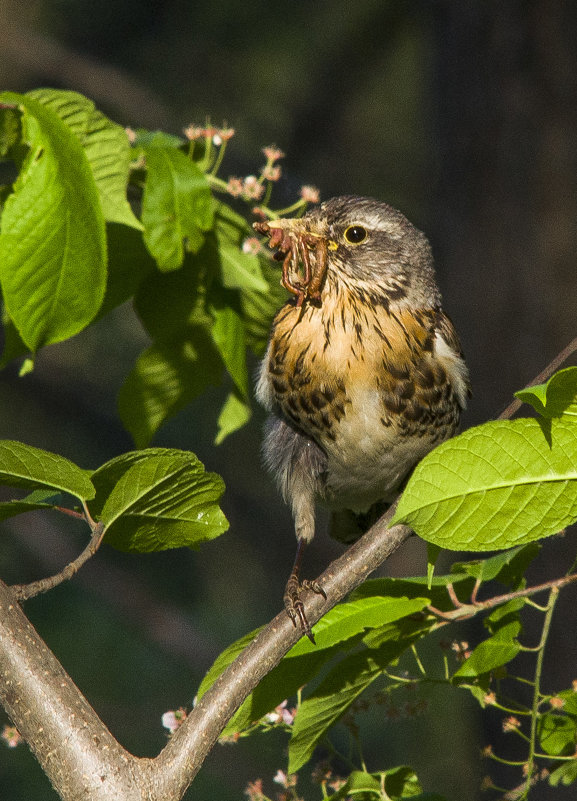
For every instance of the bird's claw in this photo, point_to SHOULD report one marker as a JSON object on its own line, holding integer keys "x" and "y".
{"x": 294, "y": 605}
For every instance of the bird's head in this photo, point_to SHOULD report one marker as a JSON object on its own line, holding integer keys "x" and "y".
{"x": 359, "y": 244}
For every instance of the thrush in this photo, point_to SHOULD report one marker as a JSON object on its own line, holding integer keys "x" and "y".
{"x": 363, "y": 374}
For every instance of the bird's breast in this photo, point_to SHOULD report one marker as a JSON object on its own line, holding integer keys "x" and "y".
{"x": 364, "y": 382}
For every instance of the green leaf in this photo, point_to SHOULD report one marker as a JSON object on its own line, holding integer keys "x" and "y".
{"x": 406, "y": 630}
{"x": 24, "y": 466}
{"x": 129, "y": 265}
{"x": 239, "y": 270}
{"x": 176, "y": 205}
{"x": 433, "y": 552}
{"x": 557, "y": 734}
{"x": 497, "y": 485}
{"x": 570, "y": 698}
{"x": 416, "y": 587}
{"x": 504, "y": 614}
{"x": 169, "y": 303}
{"x": 493, "y": 652}
{"x": 358, "y": 783}
{"x": 556, "y": 398}
{"x": 164, "y": 500}
{"x": 12, "y": 508}
{"x": 228, "y": 336}
{"x": 259, "y": 308}
{"x": 234, "y": 414}
{"x": 165, "y": 378}
{"x": 565, "y": 774}
{"x": 401, "y": 782}
{"x": 331, "y": 699}
{"x": 352, "y": 618}
{"x": 107, "y": 476}
{"x": 9, "y": 130}
{"x": 52, "y": 239}
{"x": 508, "y": 566}
{"x": 106, "y": 146}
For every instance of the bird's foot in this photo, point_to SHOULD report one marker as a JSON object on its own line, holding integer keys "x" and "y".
{"x": 294, "y": 605}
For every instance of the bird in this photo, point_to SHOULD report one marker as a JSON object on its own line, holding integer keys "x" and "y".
{"x": 363, "y": 373}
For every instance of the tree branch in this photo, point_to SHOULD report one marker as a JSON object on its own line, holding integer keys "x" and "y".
{"x": 24, "y": 591}
{"x": 78, "y": 753}
{"x": 184, "y": 754}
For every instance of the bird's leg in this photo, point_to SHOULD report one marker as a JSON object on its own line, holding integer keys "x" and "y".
{"x": 292, "y": 594}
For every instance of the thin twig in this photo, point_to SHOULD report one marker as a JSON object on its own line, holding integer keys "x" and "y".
{"x": 25, "y": 591}
{"x": 553, "y": 365}
{"x": 553, "y": 597}
{"x": 466, "y": 611}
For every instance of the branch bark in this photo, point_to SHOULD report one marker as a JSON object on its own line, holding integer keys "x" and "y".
{"x": 77, "y": 752}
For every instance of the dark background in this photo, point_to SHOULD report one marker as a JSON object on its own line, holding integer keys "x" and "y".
{"x": 463, "y": 114}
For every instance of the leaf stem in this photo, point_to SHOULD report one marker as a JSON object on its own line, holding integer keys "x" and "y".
{"x": 218, "y": 160}
{"x": 417, "y": 660}
{"x": 553, "y": 596}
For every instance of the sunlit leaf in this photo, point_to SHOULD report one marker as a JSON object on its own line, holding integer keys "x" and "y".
{"x": 557, "y": 397}
{"x": 52, "y": 239}
{"x": 25, "y": 466}
{"x": 176, "y": 205}
{"x": 164, "y": 500}
{"x": 493, "y": 652}
{"x": 557, "y": 734}
{"x": 106, "y": 146}
{"x": 235, "y": 413}
{"x": 351, "y": 618}
{"x": 497, "y": 485}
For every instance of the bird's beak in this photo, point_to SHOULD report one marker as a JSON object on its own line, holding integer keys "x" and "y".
{"x": 295, "y": 244}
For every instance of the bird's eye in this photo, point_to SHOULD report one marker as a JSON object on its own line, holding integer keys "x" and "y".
{"x": 355, "y": 234}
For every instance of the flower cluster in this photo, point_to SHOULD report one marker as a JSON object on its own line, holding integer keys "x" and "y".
{"x": 252, "y": 245}
{"x": 216, "y": 135}
{"x": 322, "y": 774}
{"x": 288, "y": 781}
{"x": 11, "y": 736}
{"x": 460, "y": 649}
{"x": 511, "y": 724}
{"x": 173, "y": 719}
{"x": 281, "y": 715}
{"x": 250, "y": 187}
{"x": 310, "y": 194}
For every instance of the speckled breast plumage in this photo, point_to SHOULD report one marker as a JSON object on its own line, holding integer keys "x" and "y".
{"x": 366, "y": 384}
